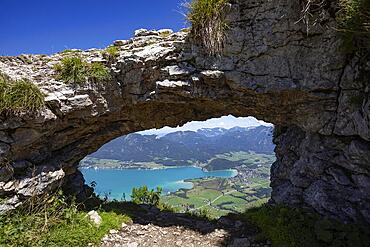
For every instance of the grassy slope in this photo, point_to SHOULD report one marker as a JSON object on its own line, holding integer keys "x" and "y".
{"x": 287, "y": 227}
{"x": 52, "y": 221}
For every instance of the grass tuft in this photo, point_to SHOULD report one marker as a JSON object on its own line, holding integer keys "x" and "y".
{"x": 111, "y": 52}
{"x": 74, "y": 70}
{"x": 98, "y": 72}
{"x": 71, "y": 70}
{"x": 207, "y": 18}
{"x": 165, "y": 34}
{"x": 19, "y": 96}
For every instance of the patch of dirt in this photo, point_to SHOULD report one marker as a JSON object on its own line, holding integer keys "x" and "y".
{"x": 153, "y": 228}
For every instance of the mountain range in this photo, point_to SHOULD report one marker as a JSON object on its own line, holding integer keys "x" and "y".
{"x": 200, "y": 145}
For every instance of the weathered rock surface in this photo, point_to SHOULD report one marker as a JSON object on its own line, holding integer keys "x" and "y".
{"x": 165, "y": 229}
{"x": 152, "y": 235}
{"x": 94, "y": 217}
{"x": 270, "y": 68}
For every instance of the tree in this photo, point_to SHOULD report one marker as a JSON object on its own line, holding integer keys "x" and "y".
{"x": 143, "y": 195}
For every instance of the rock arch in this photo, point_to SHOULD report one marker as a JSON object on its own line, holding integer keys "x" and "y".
{"x": 270, "y": 68}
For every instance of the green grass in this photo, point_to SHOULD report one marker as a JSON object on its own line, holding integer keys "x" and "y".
{"x": 208, "y": 25}
{"x": 237, "y": 194}
{"x": 19, "y": 96}
{"x": 204, "y": 193}
{"x": 74, "y": 70}
{"x": 52, "y": 221}
{"x": 228, "y": 198}
{"x": 208, "y": 189}
{"x": 174, "y": 200}
{"x": 98, "y": 72}
{"x": 179, "y": 201}
{"x": 288, "y": 227}
{"x": 71, "y": 70}
{"x": 111, "y": 52}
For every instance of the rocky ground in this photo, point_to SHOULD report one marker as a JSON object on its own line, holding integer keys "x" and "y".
{"x": 166, "y": 229}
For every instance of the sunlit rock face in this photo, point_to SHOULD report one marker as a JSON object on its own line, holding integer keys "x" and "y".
{"x": 270, "y": 69}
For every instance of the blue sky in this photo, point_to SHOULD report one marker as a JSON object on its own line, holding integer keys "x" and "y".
{"x": 47, "y": 26}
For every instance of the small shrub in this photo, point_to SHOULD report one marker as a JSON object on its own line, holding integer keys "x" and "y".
{"x": 353, "y": 18}
{"x": 98, "y": 72}
{"x": 203, "y": 213}
{"x": 354, "y": 23}
{"x": 20, "y": 96}
{"x": 71, "y": 70}
{"x": 311, "y": 12}
{"x": 165, "y": 34}
{"x": 166, "y": 207}
{"x": 111, "y": 52}
{"x": 76, "y": 71}
{"x": 207, "y": 18}
{"x": 185, "y": 30}
{"x": 146, "y": 196}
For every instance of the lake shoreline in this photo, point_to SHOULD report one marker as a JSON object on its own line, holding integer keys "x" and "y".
{"x": 93, "y": 163}
{"x": 134, "y": 168}
{"x": 118, "y": 181}
{"x": 152, "y": 168}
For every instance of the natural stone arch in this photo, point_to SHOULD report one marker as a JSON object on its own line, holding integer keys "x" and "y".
{"x": 270, "y": 68}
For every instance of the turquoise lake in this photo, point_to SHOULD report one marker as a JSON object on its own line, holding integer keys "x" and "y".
{"x": 118, "y": 182}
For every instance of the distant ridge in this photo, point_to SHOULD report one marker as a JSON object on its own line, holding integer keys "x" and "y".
{"x": 181, "y": 146}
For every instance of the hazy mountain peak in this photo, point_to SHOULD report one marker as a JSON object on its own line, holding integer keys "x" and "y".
{"x": 176, "y": 147}
{"x": 225, "y": 122}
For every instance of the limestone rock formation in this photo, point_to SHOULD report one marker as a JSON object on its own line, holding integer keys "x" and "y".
{"x": 270, "y": 68}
